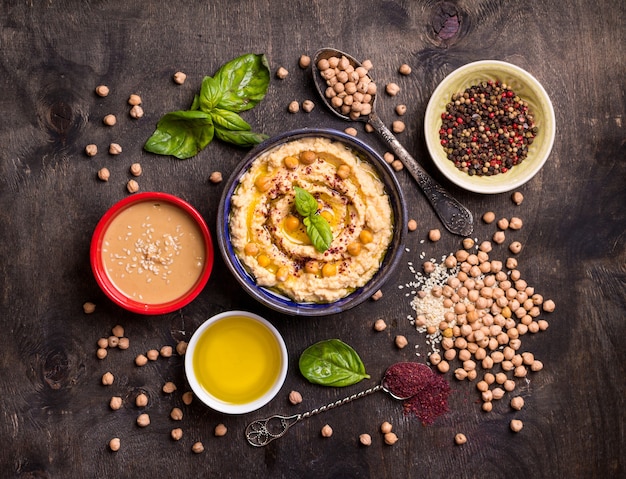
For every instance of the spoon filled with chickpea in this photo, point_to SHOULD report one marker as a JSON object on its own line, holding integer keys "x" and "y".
{"x": 346, "y": 87}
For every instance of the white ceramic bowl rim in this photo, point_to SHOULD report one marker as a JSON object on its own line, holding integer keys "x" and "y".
{"x": 523, "y": 83}
{"x": 222, "y": 406}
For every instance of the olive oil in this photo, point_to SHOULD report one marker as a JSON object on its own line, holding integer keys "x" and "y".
{"x": 237, "y": 360}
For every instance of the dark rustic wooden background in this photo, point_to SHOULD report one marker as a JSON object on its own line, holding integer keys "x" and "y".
{"x": 54, "y": 414}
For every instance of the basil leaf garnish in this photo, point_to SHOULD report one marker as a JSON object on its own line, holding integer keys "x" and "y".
{"x": 181, "y": 134}
{"x": 332, "y": 363}
{"x": 306, "y": 204}
{"x": 243, "y": 82}
{"x": 318, "y": 230}
{"x": 237, "y": 86}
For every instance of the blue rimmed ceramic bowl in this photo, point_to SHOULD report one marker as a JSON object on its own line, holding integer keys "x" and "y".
{"x": 270, "y": 297}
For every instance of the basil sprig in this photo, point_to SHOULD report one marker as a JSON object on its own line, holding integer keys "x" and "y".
{"x": 237, "y": 86}
{"x": 332, "y": 363}
{"x": 317, "y": 228}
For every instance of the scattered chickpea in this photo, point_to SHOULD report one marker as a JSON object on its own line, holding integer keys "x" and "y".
{"x": 295, "y": 397}
{"x": 104, "y": 174}
{"x": 115, "y": 403}
{"x": 135, "y": 169}
{"x": 169, "y": 387}
{"x": 377, "y": 295}
{"x": 412, "y": 225}
{"x": 515, "y": 223}
{"x": 517, "y": 198}
{"x": 114, "y": 444}
{"x": 390, "y": 438}
{"x": 124, "y": 343}
{"x": 187, "y": 398}
{"x": 404, "y": 69}
{"x": 327, "y": 431}
{"x": 549, "y": 306}
{"x": 468, "y": 243}
{"x": 134, "y": 99}
{"x": 143, "y": 420}
{"x": 304, "y": 61}
{"x": 181, "y": 348}
{"x": 141, "y": 400}
{"x": 489, "y": 217}
{"x": 89, "y": 307}
{"x": 401, "y": 341}
{"x": 152, "y": 355}
{"x": 517, "y": 403}
{"x": 398, "y": 126}
{"x": 115, "y": 149}
{"x": 136, "y": 112}
{"x": 401, "y": 110}
{"x": 365, "y": 439}
{"x": 220, "y": 430}
{"x": 516, "y": 425}
{"x": 166, "y": 351}
{"x": 91, "y": 150}
{"x": 102, "y": 90}
{"x": 197, "y": 447}
{"x": 503, "y": 223}
{"x": 386, "y": 427}
{"x": 117, "y": 330}
{"x": 107, "y": 378}
{"x": 141, "y": 360}
{"x": 293, "y": 107}
{"x": 351, "y": 131}
{"x": 392, "y": 89}
{"x": 101, "y": 353}
{"x": 109, "y": 120}
{"x": 176, "y": 434}
{"x": 308, "y": 105}
{"x": 179, "y": 78}
{"x": 176, "y": 414}
{"x": 460, "y": 439}
{"x": 132, "y": 186}
{"x": 282, "y": 73}
{"x": 397, "y": 165}
{"x": 515, "y": 247}
{"x": 511, "y": 263}
{"x": 389, "y": 157}
{"x": 434, "y": 235}
{"x": 380, "y": 325}
{"x": 114, "y": 341}
{"x": 499, "y": 237}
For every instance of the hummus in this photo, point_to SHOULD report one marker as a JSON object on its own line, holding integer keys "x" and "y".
{"x": 269, "y": 236}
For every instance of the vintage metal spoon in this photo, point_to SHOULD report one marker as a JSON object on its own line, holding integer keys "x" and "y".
{"x": 455, "y": 217}
{"x": 263, "y": 431}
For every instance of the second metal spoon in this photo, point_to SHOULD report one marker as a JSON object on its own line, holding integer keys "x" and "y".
{"x": 455, "y": 217}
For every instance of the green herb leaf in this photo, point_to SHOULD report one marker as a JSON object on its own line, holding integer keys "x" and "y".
{"x": 243, "y": 82}
{"x": 318, "y": 230}
{"x": 181, "y": 134}
{"x": 239, "y": 138}
{"x": 306, "y": 204}
{"x": 332, "y": 363}
{"x": 210, "y": 95}
{"x": 229, "y": 120}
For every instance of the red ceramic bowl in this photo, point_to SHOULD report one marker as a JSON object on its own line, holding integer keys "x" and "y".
{"x": 151, "y": 253}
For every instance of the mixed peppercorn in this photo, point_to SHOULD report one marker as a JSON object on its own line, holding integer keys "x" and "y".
{"x": 487, "y": 129}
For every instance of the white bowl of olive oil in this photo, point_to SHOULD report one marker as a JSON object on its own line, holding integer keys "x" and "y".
{"x": 236, "y": 362}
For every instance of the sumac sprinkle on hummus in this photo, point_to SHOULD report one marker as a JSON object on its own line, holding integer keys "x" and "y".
{"x": 270, "y": 237}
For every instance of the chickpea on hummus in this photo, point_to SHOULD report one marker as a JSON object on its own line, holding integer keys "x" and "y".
{"x": 271, "y": 240}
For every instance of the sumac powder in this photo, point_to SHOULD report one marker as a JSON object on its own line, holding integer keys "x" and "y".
{"x": 427, "y": 391}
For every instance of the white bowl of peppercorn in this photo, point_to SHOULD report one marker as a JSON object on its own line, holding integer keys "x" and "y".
{"x": 489, "y": 126}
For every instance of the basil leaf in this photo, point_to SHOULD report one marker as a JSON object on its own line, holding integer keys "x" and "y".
{"x": 243, "y": 82}
{"x": 210, "y": 94}
{"x": 318, "y": 230}
{"x": 229, "y": 120}
{"x": 181, "y": 134}
{"x": 306, "y": 204}
{"x": 332, "y": 363}
{"x": 239, "y": 138}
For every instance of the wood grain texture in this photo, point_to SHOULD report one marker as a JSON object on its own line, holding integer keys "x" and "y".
{"x": 54, "y": 415}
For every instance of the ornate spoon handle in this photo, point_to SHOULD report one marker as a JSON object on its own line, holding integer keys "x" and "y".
{"x": 263, "y": 431}
{"x": 455, "y": 217}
